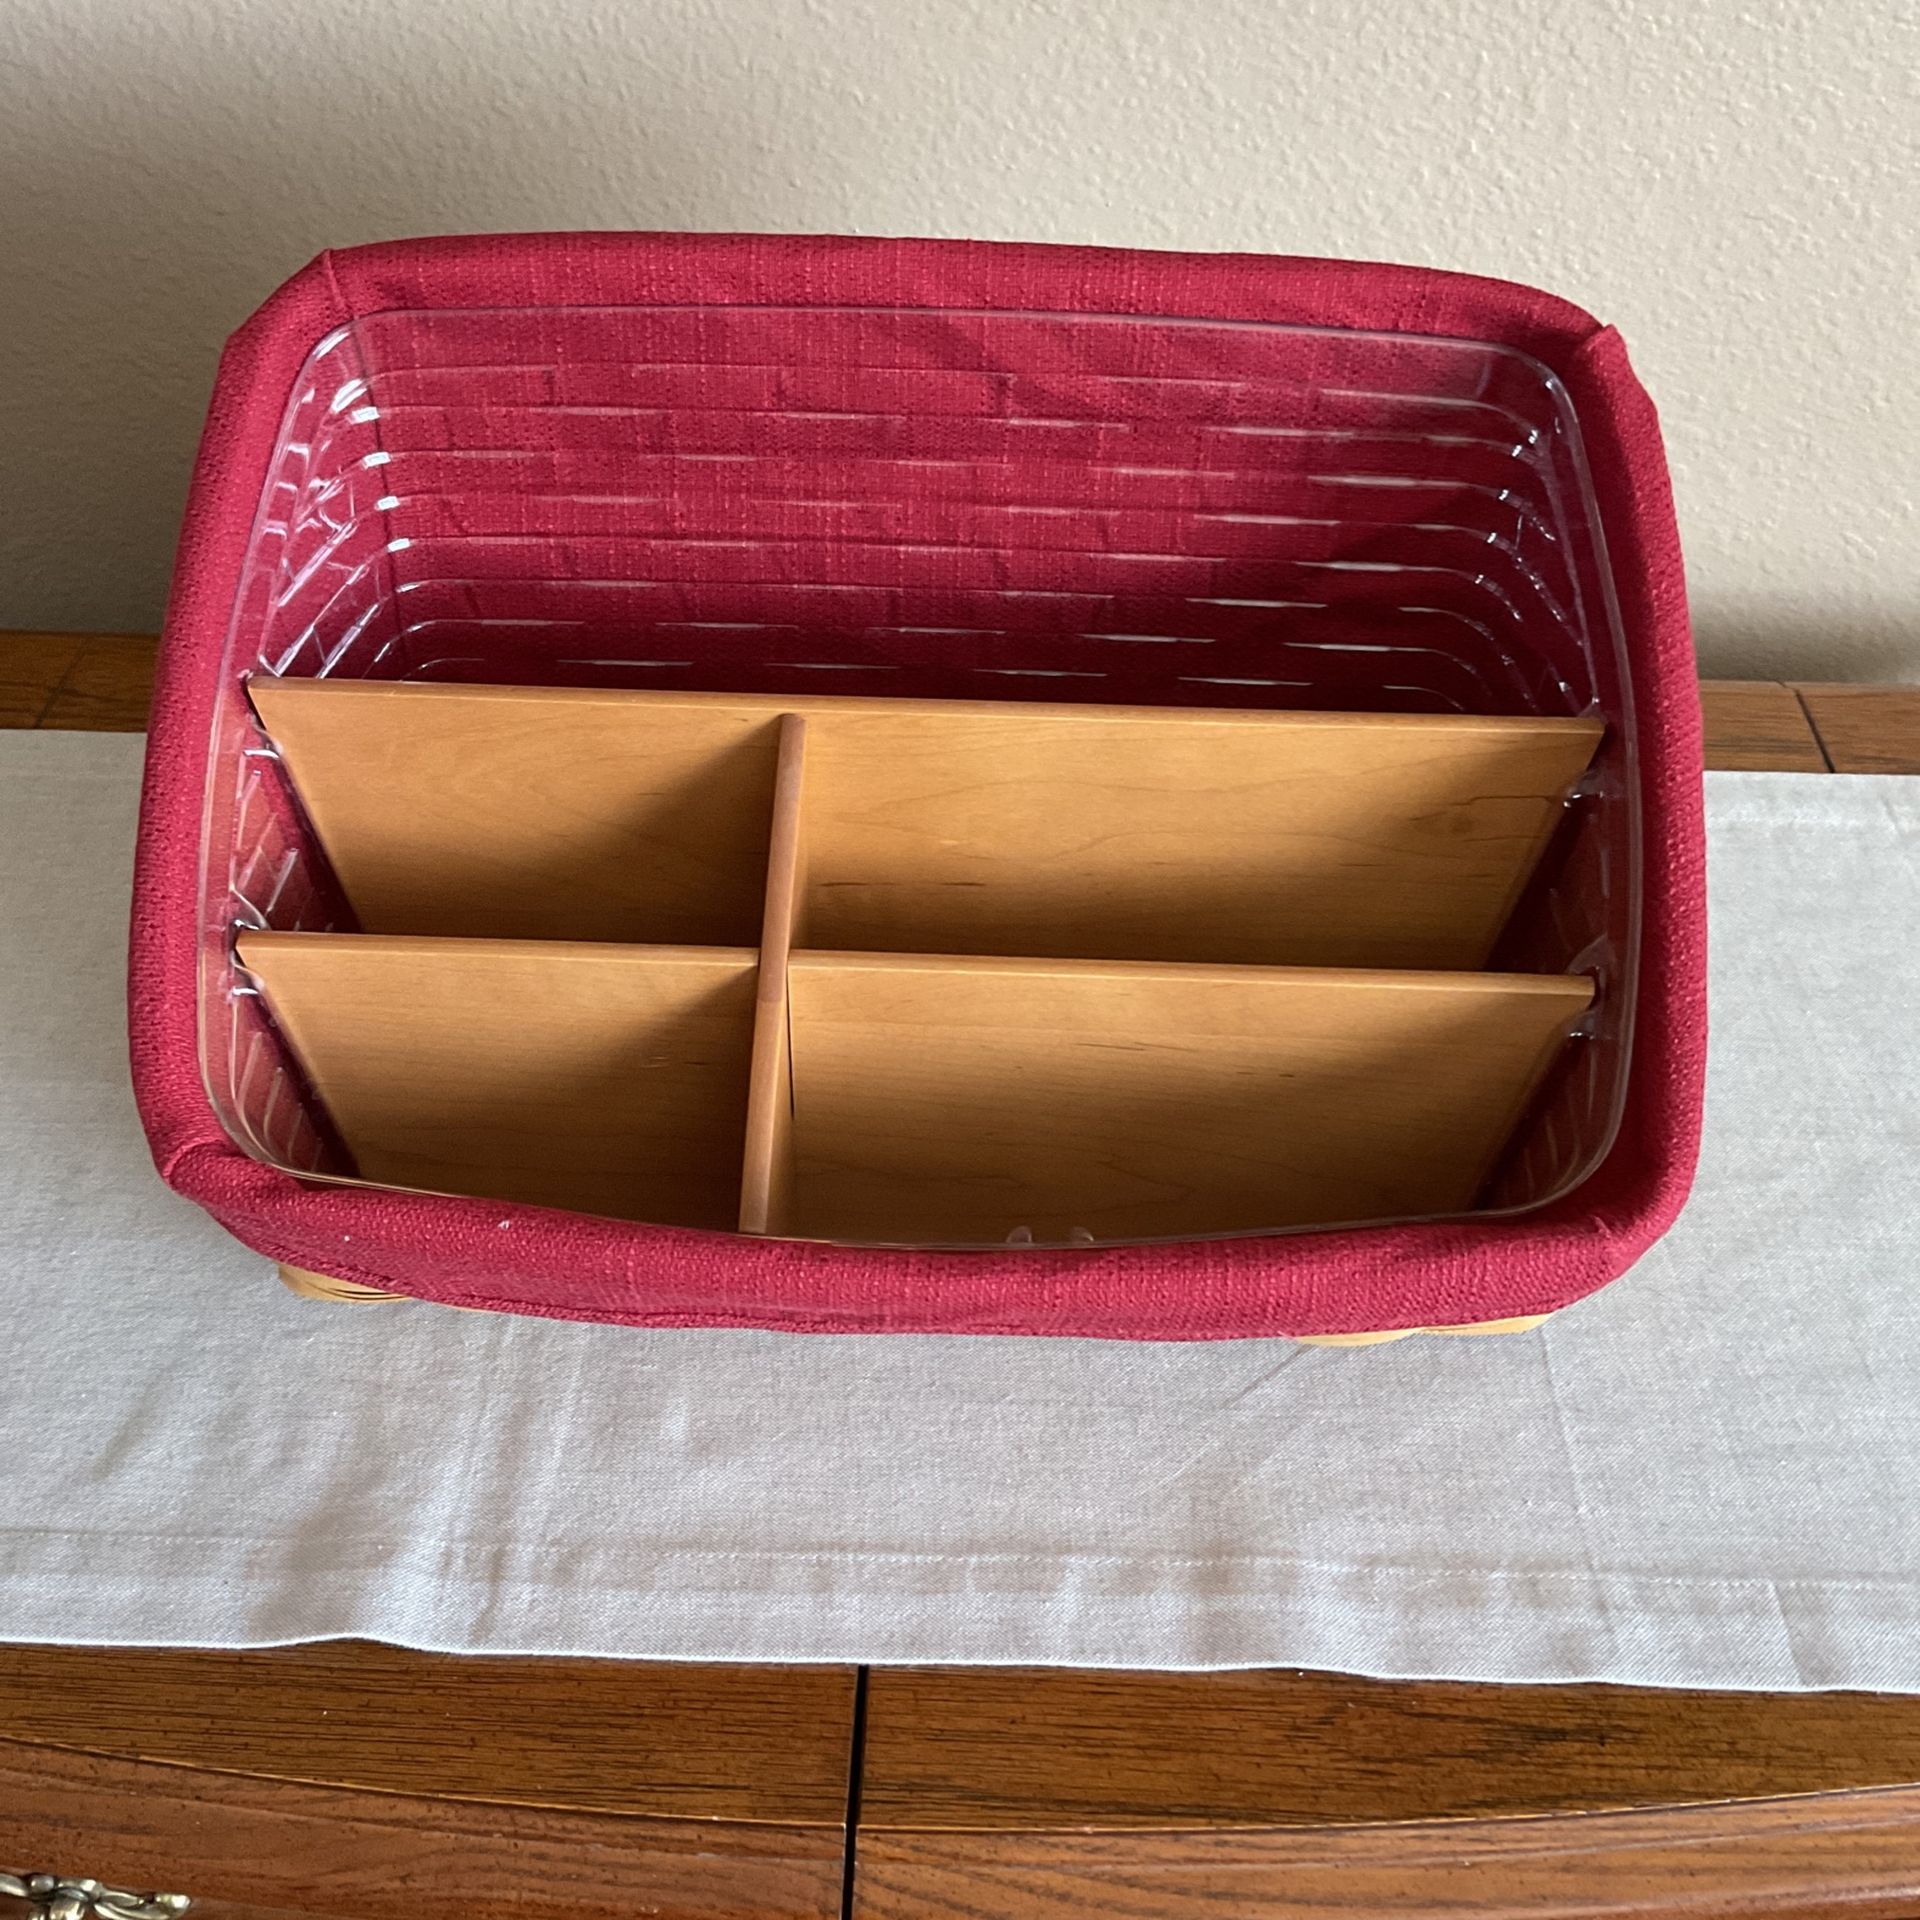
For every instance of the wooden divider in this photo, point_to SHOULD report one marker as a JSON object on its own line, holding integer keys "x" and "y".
{"x": 1227, "y": 983}
{"x": 525, "y": 813}
{"x": 604, "y": 1078}
{"x": 962, "y": 1100}
{"x": 766, "y": 1177}
{"x": 1138, "y": 833}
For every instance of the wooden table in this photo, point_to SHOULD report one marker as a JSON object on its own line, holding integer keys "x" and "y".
{"x": 360, "y": 1782}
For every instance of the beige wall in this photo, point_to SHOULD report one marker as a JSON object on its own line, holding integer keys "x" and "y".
{"x": 1733, "y": 181}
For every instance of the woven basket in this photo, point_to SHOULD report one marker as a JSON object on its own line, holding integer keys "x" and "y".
{"x": 807, "y": 472}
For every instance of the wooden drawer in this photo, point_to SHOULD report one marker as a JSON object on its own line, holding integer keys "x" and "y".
{"x": 245, "y": 1848}
{"x": 361, "y": 1783}
{"x": 1168, "y": 1796}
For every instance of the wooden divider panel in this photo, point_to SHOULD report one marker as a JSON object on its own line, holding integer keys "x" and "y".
{"x": 1203, "y": 970}
{"x": 1261, "y": 839}
{"x": 960, "y": 1100}
{"x": 766, "y": 1179}
{"x": 534, "y": 813}
{"x": 1368, "y": 840}
{"x": 608, "y": 1079}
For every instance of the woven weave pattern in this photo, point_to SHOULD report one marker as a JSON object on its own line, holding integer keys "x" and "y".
{"x": 980, "y": 496}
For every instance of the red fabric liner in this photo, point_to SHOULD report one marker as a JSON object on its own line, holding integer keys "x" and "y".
{"x": 545, "y": 1262}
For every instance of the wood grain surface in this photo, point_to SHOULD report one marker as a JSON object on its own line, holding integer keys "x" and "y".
{"x": 32, "y": 667}
{"x": 964, "y": 1099}
{"x": 108, "y": 687}
{"x": 665, "y": 1739}
{"x": 1759, "y": 726}
{"x": 533, "y": 814}
{"x": 1867, "y": 729}
{"x": 76, "y": 682}
{"x": 766, "y": 1174}
{"x": 1244, "y": 837}
{"x": 1852, "y": 1855}
{"x": 606, "y": 1078}
{"x": 954, "y": 1102}
{"x": 250, "y": 1848}
{"x": 1254, "y": 838}
{"x": 1007, "y": 1748}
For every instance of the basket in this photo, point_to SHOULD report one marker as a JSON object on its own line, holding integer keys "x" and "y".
{"x": 849, "y": 531}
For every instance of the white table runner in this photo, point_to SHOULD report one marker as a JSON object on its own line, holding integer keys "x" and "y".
{"x": 1709, "y": 1475}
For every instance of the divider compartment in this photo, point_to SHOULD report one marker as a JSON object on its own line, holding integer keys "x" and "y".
{"x": 1243, "y": 837}
{"x": 962, "y": 1100}
{"x": 766, "y": 1174}
{"x": 518, "y": 813}
{"x": 1243, "y": 997}
{"x": 1252, "y": 838}
{"x": 608, "y": 1079}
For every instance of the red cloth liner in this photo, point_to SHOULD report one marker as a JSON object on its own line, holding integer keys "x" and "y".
{"x": 540, "y": 1261}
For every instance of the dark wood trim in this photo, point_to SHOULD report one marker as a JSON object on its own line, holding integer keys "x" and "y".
{"x": 658, "y": 1738}
{"x": 1758, "y": 726}
{"x": 1866, "y": 729}
{"x": 1856, "y": 1855}
{"x": 245, "y": 1848}
{"x": 1006, "y": 1748}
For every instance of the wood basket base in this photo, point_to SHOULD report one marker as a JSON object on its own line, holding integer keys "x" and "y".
{"x": 323, "y": 1286}
{"x": 1524, "y": 1324}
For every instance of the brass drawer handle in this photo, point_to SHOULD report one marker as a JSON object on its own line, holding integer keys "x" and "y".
{"x": 58, "y": 1899}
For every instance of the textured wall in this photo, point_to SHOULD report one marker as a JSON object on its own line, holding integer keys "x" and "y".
{"x": 1733, "y": 181}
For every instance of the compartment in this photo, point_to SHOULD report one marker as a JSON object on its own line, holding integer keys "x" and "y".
{"x": 968, "y": 1100}
{"x": 1263, "y": 839}
{"x": 501, "y": 813}
{"x": 1355, "y": 840}
{"x": 608, "y": 1079}
{"x": 1125, "y": 1062}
